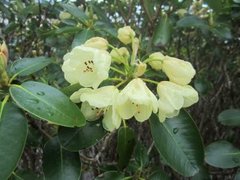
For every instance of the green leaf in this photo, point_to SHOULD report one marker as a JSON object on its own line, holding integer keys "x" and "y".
{"x": 27, "y": 66}
{"x": 75, "y": 139}
{"x": 230, "y": 117}
{"x": 223, "y": 32}
{"x": 81, "y": 37}
{"x": 191, "y": 21}
{"x": 184, "y": 149}
{"x": 222, "y": 154}
{"x": 59, "y": 164}
{"x": 158, "y": 175}
{"x": 105, "y": 27}
{"x": 13, "y": 135}
{"x": 162, "y": 33}
{"x": 203, "y": 174}
{"x": 125, "y": 146}
{"x": 141, "y": 155}
{"x": 110, "y": 175}
{"x": 237, "y": 176}
{"x": 236, "y": 1}
{"x": 76, "y": 12}
{"x": 215, "y": 5}
{"x": 47, "y": 103}
{"x": 69, "y": 90}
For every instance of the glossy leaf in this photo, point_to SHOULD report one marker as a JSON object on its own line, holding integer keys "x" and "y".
{"x": 76, "y": 12}
{"x": 191, "y": 21}
{"x": 230, "y": 117}
{"x": 125, "y": 146}
{"x": 59, "y": 164}
{"x": 222, "y": 154}
{"x": 47, "y": 103}
{"x": 237, "y": 176}
{"x": 158, "y": 175}
{"x": 69, "y": 90}
{"x": 162, "y": 33}
{"x": 203, "y": 174}
{"x": 222, "y": 32}
{"x": 81, "y": 37}
{"x": 110, "y": 175}
{"x": 27, "y": 66}
{"x": 141, "y": 155}
{"x": 184, "y": 149}
{"x": 13, "y": 134}
{"x": 75, "y": 139}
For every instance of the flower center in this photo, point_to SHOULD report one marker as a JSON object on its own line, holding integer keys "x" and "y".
{"x": 88, "y": 66}
{"x": 137, "y": 107}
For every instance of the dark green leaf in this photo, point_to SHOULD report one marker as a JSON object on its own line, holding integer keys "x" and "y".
{"x": 105, "y": 27}
{"x": 13, "y": 134}
{"x": 74, "y": 139}
{"x": 222, "y": 32}
{"x": 59, "y": 164}
{"x": 162, "y": 33}
{"x": 215, "y": 5}
{"x": 184, "y": 149}
{"x": 191, "y": 21}
{"x": 71, "y": 89}
{"x": 141, "y": 155}
{"x": 125, "y": 146}
{"x": 203, "y": 174}
{"x": 27, "y": 66}
{"x": 68, "y": 30}
{"x": 230, "y": 117}
{"x": 158, "y": 175}
{"x": 81, "y": 37}
{"x": 222, "y": 154}
{"x": 110, "y": 175}
{"x": 76, "y": 12}
{"x": 237, "y": 176}
{"x": 47, "y": 103}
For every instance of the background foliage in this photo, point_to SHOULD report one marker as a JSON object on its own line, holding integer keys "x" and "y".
{"x": 205, "y": 33}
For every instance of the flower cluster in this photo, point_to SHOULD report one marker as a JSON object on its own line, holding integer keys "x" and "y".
{"x": 90, "y": 64}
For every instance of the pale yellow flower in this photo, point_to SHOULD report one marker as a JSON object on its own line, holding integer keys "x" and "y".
{"x": 136, "y": 100}
{"x": 86, "y": 66}
{"x": 100, "y": 101}
{"x": 120, "y": 55}
{"x": 177, "y": 70}
{"x": 97, "y": 42}
{"x": 173, "y": 97}
{"x": 155, "y": 60}
{"x": 126, "y": 34}
{"x": 4, "y": 53}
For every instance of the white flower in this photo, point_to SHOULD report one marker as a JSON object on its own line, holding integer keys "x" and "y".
{"x": 101, "y": 101}
{"x": 126, "y": 34}
{"x": 97, "y": 42}
{"x": 86, "y": 66}
{"x": 64, "y": 15}
{"x": 177, "y": 70}
{"x": 172, "y": 97}
{"x": 136, "y": 100}
{"x": 156, "y": 60}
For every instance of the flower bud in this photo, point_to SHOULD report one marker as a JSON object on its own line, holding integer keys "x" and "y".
{"x": 120, "y": 55}
{"x": 140, "y": 69}
{"x": 97, "y": 42}
{"x": 126, "y": 34}
{"x": 155, "y": 60}
{"x": 181, "y": 12}
{"x": 177, "y": 70}
{"x": 3, "y": 54}
{"x": 64, "y": 15}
